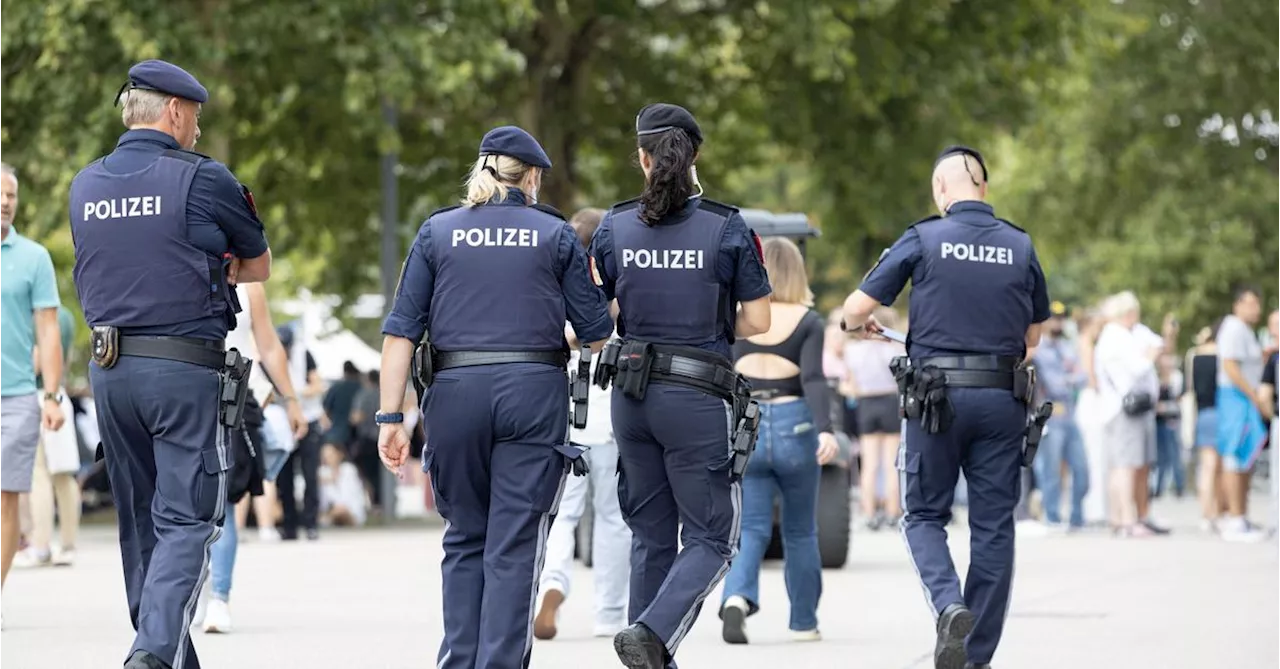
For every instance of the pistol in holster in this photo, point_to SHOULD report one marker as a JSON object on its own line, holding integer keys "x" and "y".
{"x": 607, "y": 364}
{"x": 1024, "y": 383}
{"x": 746, "y": 431}
{"x": 234, "y": 389}
{"x": 578, "y": 387}
{"x": 422, "y": 367}
{"x": 105, "y": 340}
{"x": 1036, "y": 421}
{"x": 904, "y": 375}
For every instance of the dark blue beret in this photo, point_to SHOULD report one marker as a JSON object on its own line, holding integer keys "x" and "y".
{"x": 162, "y": 77}
{"x": 963, "y": 150}
{"x": 660, "y": 117}
{"x": 509, "y": 140}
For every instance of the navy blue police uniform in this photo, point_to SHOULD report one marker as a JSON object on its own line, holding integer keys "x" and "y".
{"x": 977, "y": 287}
{"x": 154, "y": 229}
{"x": 492, "y": 286}
{"x": 678, "y": 284}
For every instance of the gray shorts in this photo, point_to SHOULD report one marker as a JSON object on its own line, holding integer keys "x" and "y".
{"x": 19, "y": 435}
{"x": 1130, "y": 441}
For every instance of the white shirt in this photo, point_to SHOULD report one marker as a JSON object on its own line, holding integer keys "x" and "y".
{"x": 1123, "y": 366}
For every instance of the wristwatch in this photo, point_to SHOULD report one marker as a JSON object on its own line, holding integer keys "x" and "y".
{"x": 382, "y": 418}
{"x": 56, "y": 397}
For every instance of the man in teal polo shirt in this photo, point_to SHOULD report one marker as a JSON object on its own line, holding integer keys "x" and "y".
{"x": 29, "y": 314}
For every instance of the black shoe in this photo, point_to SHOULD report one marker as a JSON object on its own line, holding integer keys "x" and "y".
{"x": 734, "y": 627}
{"x": 313, "y": 534}
{"x": 971, "y": 665}
{"x": 141, "y": 659}
{"x": 639, "y": 648}
{"x": 289, "y": 534}
{"x": 1157, "y": 529}
{"x": 954, "y": 625}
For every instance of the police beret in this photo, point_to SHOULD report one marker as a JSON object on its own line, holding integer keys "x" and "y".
{"x": 964, "y": 150}
{"x": 162, "y": 77}
{"x": 660, "y": 117}
{"x": 509, "y": 140}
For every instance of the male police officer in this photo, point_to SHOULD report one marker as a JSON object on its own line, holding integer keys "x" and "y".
{"x": 689, "y": 277}
{"x": 978, "y": 299}
{"x": 492, "y": 282}
{"x": 160, "y": 235}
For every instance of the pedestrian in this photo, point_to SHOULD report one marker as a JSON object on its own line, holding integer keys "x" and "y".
{"x": 305, "y": 458}
{"x": 978, "y": 300}
{"x": 1241, "y": 431}
{"x": 492, "y": 281}
{"x": 1060, "y": 378}
{"x": 30, "y": 318}
{"x": 159, "y": 364}
{"x": 689, "y": 278}
{"x": 610, "y": 537}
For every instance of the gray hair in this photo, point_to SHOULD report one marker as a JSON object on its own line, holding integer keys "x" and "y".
{"x": 7, "y": 170}
{"x": 1120, "y": 305}
{"x": 142, "y": 107}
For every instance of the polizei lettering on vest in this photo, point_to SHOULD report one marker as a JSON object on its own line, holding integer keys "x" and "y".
{"x": 994, "y": 255}
{"x": 123, "y": 207}
{"x": 496, "y": 237}
{"x": 662, "y": 258}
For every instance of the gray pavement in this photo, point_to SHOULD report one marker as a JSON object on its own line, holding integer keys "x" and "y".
{"x": 371, "y": 599}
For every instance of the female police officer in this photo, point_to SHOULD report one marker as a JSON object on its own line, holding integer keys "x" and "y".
{"x": 678, "y": 265}
{"x": 493, "y": 281}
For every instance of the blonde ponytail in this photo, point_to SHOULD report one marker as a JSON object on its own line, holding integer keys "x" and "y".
{"x": 490, "y": 178}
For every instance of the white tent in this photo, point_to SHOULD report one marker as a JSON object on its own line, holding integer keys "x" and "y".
{"x": 330, "y": 344}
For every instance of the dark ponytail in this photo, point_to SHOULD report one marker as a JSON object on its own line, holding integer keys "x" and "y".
{"x": 671, "y": 178}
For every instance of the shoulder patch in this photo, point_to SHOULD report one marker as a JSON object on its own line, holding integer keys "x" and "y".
{"x": 248, "y": 198}
{"x": 442, "y": 210}
{"x": 926, "y": 219}
{"x": 548, "y": 209}
{"x": 1011, "y": 225}
{"x": 719, "y": 208}
{"x": 759, "y": 245}
{"x": 626, "y": 205}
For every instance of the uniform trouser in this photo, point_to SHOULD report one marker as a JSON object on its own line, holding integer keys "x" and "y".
{"x": 306, "y": 456}
{"x": 610, "y": 537}
{"x": 674, "y": 449}
{"x": 167, "y": 458}
{"x": 985, "y": 439}
{"x": 497, "y": 473}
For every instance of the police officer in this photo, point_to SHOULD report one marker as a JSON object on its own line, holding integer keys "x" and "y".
{"x": 492, "y": 282}
{"x": 977, "y": 301}
{"x": 161, "y": 234}
{"x": 679, "y": 265}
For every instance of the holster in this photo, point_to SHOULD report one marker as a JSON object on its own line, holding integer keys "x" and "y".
{"x": 1024, "y": 383}
{"x": 106, "y": 345}
{"x": 929, "y": 392}
{"x": 746, "y": 431}
{"x": 904, "y": 375}
{"x": 607, "y": 365}
{"x": 635, "y": 361}
{"x": 1036, "y": 421}
{"x": 422, "y": 368}
{"x": 578, "y": 387}
{"x": 233, "y": 389}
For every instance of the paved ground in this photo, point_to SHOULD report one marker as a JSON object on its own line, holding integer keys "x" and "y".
{"x": 370, "y": 599}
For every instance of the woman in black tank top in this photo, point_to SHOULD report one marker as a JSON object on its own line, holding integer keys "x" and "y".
{"x": 784, "y": 366}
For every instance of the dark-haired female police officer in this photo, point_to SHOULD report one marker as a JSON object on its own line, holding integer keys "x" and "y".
{"x": 978, "y": 299}
{"x": 493, "y": 282}
{"x": 679, "y": 266}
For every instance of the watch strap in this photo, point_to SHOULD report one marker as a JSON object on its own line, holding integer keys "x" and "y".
{"x": 382, "y": 418}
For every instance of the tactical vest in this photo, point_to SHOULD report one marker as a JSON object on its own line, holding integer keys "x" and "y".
{"x": 135, "y": 266}
{"x": 668, "y": 289}
{"x": 971, "y": 292}
{"x": 497, "y": 279}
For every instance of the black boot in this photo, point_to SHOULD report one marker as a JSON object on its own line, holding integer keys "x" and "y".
{"x": 954, "y": 625}
{"x": 639, "y": 648}
{"x": 141, "y": 659}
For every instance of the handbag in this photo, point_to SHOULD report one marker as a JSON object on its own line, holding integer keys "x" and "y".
{"x": 1137, "y": 403}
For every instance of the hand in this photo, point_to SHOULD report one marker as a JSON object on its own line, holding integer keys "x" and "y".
{"x": 1264, "y": 408}
{"x": 233, "y": 271}
{"x": 296, "y": 419}
{"x": 325, "y": 423}
{"x": 828, "y": 448}
{"x": 51, "y": 417}
{"x": 868, "y": 330}
{"x": 393, "y": 446}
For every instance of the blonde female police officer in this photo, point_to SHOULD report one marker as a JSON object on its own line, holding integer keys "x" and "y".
{"x": 679, "y": 266}
{"x": 160, "y": 233}
{"x": 977, "y": 301}
{"x": 492, "y": 281}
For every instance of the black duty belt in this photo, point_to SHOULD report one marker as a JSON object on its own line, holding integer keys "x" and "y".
{"x": 967, "y": 378}
{"x": 977, "y": 363}
{"x": 673, "y": 364}
{"x": 203, "y": 352}
{"x": 452, "y": 359}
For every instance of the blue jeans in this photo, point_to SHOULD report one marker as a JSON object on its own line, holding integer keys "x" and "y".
{"x": 1062, "y": 441}
{"x": 222, "y": 558}
{"x": 1168, "y": 460}
{"x": 786, "y": 462}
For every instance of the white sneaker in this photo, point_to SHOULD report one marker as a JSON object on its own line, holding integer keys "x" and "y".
{"x": 608, "y": 630}
{"x": 268, "y": 535}
{"x": 217, "y": 619}
{"x": 1208, "y": 526}
{"x": 734, "y": 619}
{"x": 1238, "y": 531}
{"x": 29, "y": 558}
{"x": 202, "y": 605}
{"x": 64, "y": 558}
{"x": 806, "y": 635}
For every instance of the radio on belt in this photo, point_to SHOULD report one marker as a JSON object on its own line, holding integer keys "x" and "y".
{"x": 579, "y": 386}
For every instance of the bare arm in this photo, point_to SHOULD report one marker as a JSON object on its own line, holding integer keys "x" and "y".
{"x": 857, "y": 309}
{"x": 49, "y": 344}
{"x": 1232, "y": 368}
{"x": 254, "y": 270}
{"x": 1032, "y": 338}
{"x": 1266, "y": 399}
{"x": 272, "y": 352}
{"x": 396, "y": 354}
{"x": 754, "y": 317}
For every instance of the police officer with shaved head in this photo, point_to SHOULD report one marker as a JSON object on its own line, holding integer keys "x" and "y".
{"x": 689, "y": 278}
{"x": 161, "y": 236}
{"x": 491, "y": 283}
{"x": 978, "y": 300}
